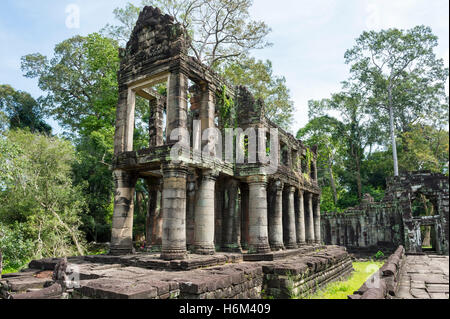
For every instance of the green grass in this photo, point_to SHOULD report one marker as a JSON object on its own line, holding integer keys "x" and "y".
{"x": 341, "y": 289}
{"x": 10, "y": 270}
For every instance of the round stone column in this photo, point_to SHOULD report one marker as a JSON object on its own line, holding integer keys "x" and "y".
{"x": 204, "y": 215}
{"x": 301, "y": 236}
{"x": 291, "y": 242}
{"x": 276, "y": 219}
{"x": 122, "y": 221}
{"x": 310, "y": 225}
{"x": 174, "y": 212}
{"x": 258, "y": 230}
{"x": 317, "y": 233}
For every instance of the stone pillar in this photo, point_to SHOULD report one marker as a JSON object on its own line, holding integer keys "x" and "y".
{"x": 190, "y": 212}
{"x": 310, "y": 220}
{"x": 230, "y": 241}
{"x": 204, "y": 215}
{"x": 245, "y": 202}
{"x": 176, "y": 103}
{"x": 123, "y": 137}
{"x": 174, "y": 212}
{"x": 291, "y": 238}
{"x": 207, "y": 108}
{"x": 317, "y": 235}
{"x": 276, "y": 219}
{"x": 153, "y": 223}
{"x": 301, "y": 235}
{"x": 122, "y": 222}
{"x": 155, "y": 125}
{"x": 237, "y": 225}
{"x": 258, "y": 239}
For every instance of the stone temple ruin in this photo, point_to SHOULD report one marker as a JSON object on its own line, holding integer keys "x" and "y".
{"x": 217, "y": 228}
{"x": 398, "y": 219}
{"x": 210, "y": 204}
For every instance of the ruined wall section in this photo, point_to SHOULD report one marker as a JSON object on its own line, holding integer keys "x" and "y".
{"x": 370, "y": 226}
{"x": 390, "y": 222}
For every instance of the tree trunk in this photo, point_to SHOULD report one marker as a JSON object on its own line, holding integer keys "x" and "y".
{"x": 72, "y": 234}
{"x": 1, "y": 263}
{"x": 391, "y": 127}
{"x": 358, "y": 177}
{"x": 332, "y": 183}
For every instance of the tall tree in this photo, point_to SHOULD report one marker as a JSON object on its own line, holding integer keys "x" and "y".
{"x": 259, "y": 78}
{"x": 324, "y": 131}
{"x": 21, "y": 110}
{"x": 80, "y": 82}
{"x": 37, "y": 193}
{"x": 81, "y": 88}
{"x": 220, "y": 29}
{"x": 404, "y": 78}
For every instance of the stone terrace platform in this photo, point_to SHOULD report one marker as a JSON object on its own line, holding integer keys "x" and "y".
{"x": 141, "y": 276}
{"x": 424, "y": 277}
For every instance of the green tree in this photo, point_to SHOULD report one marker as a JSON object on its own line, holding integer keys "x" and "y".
{"x": 80, "y": 82}
{"x": 37, "y": 195}
{"x": 21, "y": 110}
{"x": 82, "y": 91}
{"x": 258, "y": 77}
{"x": 403, "y": 77}
{"x": 324, "y": 131}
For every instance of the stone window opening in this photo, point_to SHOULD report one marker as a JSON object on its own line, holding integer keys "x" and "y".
{"x": 284, "y": 154}
{"x": 428, "y": 237}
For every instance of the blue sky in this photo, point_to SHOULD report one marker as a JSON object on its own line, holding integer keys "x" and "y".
{"x": 309, "y": 37}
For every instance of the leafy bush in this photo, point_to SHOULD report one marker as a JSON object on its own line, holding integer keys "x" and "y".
{"x": 17, "y": 250}
{"x": 379, "y": 255}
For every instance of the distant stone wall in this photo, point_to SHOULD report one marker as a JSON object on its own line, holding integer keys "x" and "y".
{"x": 371, "y": 226}
{"x": 391, "y": 222}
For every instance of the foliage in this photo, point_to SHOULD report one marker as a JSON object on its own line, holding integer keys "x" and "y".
{"x": 258, "y": 77}
{"x": 227, "y": 109}
{"x": 37, "y": 197}
{"x": 379, "y": 255}
{"x": 392, "y": 72}
{"x": 21, "y": 110}
{"x": 404, "y": 81}
{"x": 80, "y": 82}
{"x": 16, "y": 249}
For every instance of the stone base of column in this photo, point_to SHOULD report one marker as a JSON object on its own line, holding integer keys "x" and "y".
{"x": 317, "y": 242}
{"x": 173, "y": 254}
{"x": 260, "y": 249}
{"x": 302, "y": 243}
{"x": 277, "y": 247}
{"x": 154, "y": 248}
{"x": 118, "y": 251}
{"x": 232, "y": 248}
{"x": 291, "y": 246}
{"x": 310, "y": 241}
{"x": 204, "y": 250}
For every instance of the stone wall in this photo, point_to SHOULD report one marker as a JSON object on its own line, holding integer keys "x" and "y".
{"x": 303, "y": 275}
{"x": 129, "y": 277}
{"x": 370, "y": 227}
{"x": 392, "y": 221}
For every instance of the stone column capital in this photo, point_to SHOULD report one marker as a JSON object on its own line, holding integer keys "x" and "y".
{"x": 278, "y": 185}
{"x": 291, "y": 189}
{"x": 210, "y": 174}
{"x": 257, "y": 179}
{"x": 301, "y": 192}
{"x": 308, "y": 195}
